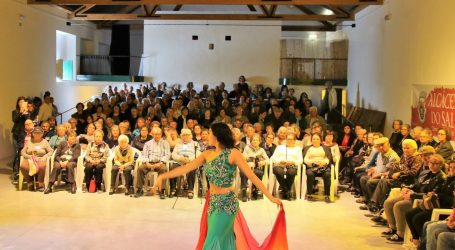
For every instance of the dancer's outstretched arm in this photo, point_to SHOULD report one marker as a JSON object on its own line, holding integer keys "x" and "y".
{"x": 199, "y": 161}
{"x": 241, "y": 163}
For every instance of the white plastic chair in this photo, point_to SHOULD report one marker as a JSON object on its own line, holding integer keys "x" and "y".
{"x": 21, "y": 176}
{"x": 273, "y": 183}
{"x": 80, "y": 174}
{"x": 333, "y": 181}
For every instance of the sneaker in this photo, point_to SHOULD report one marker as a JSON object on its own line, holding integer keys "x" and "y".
{"x": 190, "y": 195}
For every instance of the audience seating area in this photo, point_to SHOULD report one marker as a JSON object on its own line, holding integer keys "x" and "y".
{"x": 127, "y": 137}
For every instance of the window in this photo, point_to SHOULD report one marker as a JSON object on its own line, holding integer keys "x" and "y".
{"x": 65, "y": 56}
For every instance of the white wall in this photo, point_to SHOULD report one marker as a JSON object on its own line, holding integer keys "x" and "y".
{"x": 28, "y": 65}
{"x": 415, "y": 46}
{"x": 172, "y": 55}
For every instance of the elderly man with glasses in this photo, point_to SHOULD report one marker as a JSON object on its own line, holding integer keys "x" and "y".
{"x": 155, "y": 154}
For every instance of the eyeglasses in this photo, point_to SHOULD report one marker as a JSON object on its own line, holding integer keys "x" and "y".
{"x": 441, "y": 133}
{"x": 435, "y": 163}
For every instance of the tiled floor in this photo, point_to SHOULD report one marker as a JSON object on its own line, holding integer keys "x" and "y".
{"x": 30, "y": 220}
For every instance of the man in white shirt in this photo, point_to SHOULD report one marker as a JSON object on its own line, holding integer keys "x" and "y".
{"x": 184, "y": 152}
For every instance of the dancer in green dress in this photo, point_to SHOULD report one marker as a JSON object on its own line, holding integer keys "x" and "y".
{"x": 220, "y": 166}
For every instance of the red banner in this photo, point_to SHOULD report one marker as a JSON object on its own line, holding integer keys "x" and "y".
{"x": 433, "y": 107}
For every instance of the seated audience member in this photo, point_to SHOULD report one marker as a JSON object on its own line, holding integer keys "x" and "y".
{"x": 257, "y": 159}
{"x": 444, "y": 148}
{"x": 123, "y": 163}
{"x": 384, "y": 162}
{"x": 330, "y": 142}
{"x": 183, "y": 153}
{"x": 350, "y": 156}
{"x": 396, "y": 208}
{"x": 313, "y": 116}
{"x": 268, "y": 144}
{"x": 139, "y": 124}
{"x": 426, "y": 138}
{"x": 280, "y": 139}
{"x": 396, "y": 135}
{"x": 115, "y": 115}
{"x": 66, "y": 156}
{"x": 155, "y": 155}
{"x": 438, "y": 235}
{"x": 124, "y": 128}
{"x": 345, "y": 143}
{"x": 182, "y": 119}
{"x": 85, "y": 139}
{"x": 318, "y": 160}
{"x": 35, "y": 153}
{"x": 204, "y": 142}
{"x": 80, "y": 117}
{"x": 47, "y": 133}
{"x": 238, "y": 143}
{"x": 249, "y": 134}
{"x": 72, "y": 125}
{"x": 139, "y": 141}
{"x": 206, "y": 119}
{"x": 360, "y": 171}
{"x": 286, "y": 159}
{"x": 99, "y": 113}
{"x": 112, "y": 137}
{"x": 400, "y": 174}
{"x": 416, "y": 217}
{"x": 415, "y": 134}
{"x": 406, "y": 134}
{"x": 59, "y": 137}
{"x": 173, "y": 138}
{"x": 197, "y": 131}
{"x": 95, "y": 160}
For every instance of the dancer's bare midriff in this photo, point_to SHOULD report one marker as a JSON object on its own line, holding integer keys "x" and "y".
{"x": 220, "y": 190}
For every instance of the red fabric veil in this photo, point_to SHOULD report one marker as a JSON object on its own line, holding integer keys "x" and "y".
{"x": 276, "y": 240}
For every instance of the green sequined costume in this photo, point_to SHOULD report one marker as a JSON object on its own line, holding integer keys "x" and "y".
{"x": 222, "y": 208}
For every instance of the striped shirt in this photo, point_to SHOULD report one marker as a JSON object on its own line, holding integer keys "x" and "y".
{"x": 156, "y": 151}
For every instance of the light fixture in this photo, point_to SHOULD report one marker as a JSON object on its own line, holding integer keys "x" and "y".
{"x": 312, "y": 36}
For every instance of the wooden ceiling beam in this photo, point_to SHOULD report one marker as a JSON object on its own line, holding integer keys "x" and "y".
{"x": 310, "y": 12}
{"x": 208, "y": 2}
{"x": 337, "y": 10}
{"x": 90, "y": 16}
{"x": 178, "y": 7}
{"x": 307, "y": 28}
{"x": 251, "y": 8}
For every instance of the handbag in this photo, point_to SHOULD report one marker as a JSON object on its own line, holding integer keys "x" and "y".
{"x": 33, "y": 163}
{"x": 319, "y": 170}
{"x": 92, "y": 186}
{"x": 429, "y": 203}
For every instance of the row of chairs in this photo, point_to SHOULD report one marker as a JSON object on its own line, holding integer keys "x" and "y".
{"x": 269, "y": 179}
{"x": 301, "y": 180}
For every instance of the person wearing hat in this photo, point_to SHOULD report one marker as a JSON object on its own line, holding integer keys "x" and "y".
{"x": 35, "y": 154}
